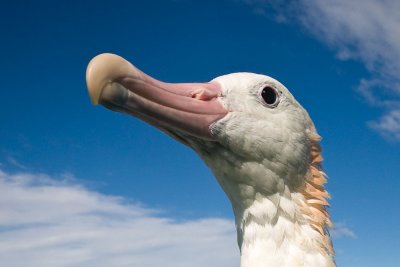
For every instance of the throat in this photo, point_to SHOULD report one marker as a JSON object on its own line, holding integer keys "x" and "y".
{"x": 272, "y": 231}
{"x": 279, "y": 201}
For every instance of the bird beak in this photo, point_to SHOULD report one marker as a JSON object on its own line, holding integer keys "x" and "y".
{"x": 189, "y": 108}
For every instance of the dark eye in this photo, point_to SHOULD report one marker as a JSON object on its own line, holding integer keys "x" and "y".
{"x": 270, "y": 96}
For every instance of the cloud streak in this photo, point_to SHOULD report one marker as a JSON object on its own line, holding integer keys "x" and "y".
{"x": 47, "y": 221}
{"x": 53, "y": 222}
{"x": 364, "y": 30}
{"x": 340, "y": 230}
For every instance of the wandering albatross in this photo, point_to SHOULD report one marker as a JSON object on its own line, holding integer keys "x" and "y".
{"x": 259, "y": 142}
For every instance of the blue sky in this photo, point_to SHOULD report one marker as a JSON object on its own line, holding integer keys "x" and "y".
{"x": 339, "y": 59}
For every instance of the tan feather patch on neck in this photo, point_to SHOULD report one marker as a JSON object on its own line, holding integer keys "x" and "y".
{"x": 315, "y": 195}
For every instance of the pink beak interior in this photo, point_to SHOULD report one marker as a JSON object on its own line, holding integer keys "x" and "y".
{"x": 186, "y": 107}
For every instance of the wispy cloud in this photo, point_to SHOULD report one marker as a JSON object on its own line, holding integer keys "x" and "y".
{"x": 363, "y": 30}
{"x": 58, "y": 223}
{"x": 342, "y": 230}
{"x": 14, "y": 162}
{"x": 388, "y": 125}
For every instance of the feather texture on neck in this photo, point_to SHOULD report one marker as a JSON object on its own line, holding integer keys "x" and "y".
{"x": 278, "y": 223}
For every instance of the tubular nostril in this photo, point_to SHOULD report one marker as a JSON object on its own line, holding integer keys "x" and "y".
{"x": 204, "y": 94}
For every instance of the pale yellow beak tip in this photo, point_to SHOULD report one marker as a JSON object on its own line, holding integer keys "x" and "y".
{"x": 104, "y": 69}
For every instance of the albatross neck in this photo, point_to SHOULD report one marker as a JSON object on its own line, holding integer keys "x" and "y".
{"x": 280, "y": 212}
{"x": 273, "y": 232}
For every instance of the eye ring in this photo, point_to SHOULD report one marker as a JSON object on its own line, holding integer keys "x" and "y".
{"x": 270, "y": 96}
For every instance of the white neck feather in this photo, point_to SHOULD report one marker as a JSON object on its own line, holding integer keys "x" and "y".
{"x": 277, "y": 194}
{"x": 271, "y": 232}
{"x": 272, "y": 228}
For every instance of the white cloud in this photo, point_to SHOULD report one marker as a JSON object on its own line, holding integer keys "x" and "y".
{"x": 52, "y": 222}
{"x": 388, "y": 125}
{"x": 14, "y": 162}
{"x": 47, "y": 222}
{"x": 363, "y": 30}
{"x": 340, "y": 230}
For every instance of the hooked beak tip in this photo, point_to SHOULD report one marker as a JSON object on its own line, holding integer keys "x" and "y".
{"x": 104, "y": 69}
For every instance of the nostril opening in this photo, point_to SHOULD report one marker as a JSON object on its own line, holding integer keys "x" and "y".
{"x": 204, "y": 94}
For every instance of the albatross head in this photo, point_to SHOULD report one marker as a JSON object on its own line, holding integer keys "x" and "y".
{"x": 264, "y": 125}
{"x": 257, "y": 139}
